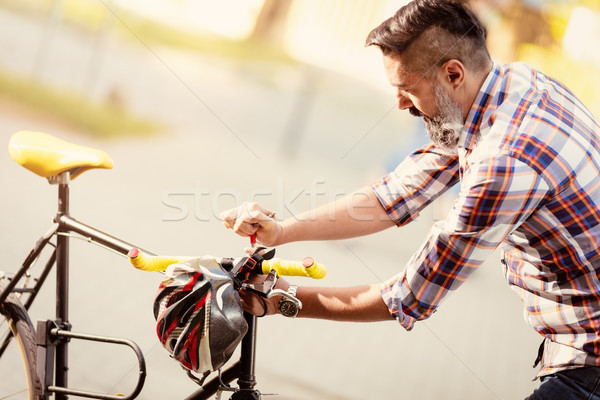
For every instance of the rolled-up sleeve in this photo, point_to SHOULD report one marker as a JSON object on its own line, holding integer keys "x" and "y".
{"x": 422, "y": 177}
{"x": 497, "y": 195}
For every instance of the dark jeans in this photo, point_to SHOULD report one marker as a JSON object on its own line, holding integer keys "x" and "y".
{"x": 574, "y": 384}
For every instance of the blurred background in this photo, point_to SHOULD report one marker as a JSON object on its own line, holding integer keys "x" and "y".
{"x": 205, "y": 104}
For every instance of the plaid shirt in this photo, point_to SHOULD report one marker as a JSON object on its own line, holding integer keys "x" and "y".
{"x": 528, "y": 163}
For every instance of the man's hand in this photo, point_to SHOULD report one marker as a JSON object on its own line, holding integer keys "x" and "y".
{"x": 249, "y": 219}
{"x": 357, "y": 214}
{"x": 251, "y": 302}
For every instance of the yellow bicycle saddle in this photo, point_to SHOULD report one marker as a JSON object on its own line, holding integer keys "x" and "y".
{"x": 47, "y": 155}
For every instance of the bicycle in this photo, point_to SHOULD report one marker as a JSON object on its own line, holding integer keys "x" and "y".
{"x": 44, "y": 348}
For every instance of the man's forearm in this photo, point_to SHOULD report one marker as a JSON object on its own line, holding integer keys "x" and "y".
{"x": 353, "y": 304}
{"x": 355, "y": 215}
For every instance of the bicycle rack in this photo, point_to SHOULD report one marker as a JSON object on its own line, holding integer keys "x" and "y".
{"x": 48, "y": 336}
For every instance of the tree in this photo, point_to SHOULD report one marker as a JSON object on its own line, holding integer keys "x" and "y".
{"x": 271, "y": 21}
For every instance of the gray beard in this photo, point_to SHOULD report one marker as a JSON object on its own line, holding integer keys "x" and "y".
{"x": 444, "y": 129}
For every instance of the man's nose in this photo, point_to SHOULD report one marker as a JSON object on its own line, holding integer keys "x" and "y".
{"x": 404, "y": 101}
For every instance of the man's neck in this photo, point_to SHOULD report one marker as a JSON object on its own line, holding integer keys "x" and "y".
{"x": 473, "y": 88}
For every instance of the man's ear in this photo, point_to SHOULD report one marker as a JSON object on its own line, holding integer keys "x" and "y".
{"x": 453, "y": 74}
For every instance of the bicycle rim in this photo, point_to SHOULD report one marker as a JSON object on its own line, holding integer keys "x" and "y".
{"x": 16, "y": 382}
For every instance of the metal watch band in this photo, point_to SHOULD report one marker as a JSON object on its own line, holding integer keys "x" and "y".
{"x": 292, "y": 289}
{"x": 287, "y": 307}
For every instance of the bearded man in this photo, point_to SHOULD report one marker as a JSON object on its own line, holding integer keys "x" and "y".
{"x": 526, "y": 153}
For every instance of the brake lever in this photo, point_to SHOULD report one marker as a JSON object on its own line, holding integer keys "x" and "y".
{"x": 266, "y": 287}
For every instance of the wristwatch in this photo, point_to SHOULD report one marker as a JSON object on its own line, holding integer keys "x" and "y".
{"x": 288, "y": 307}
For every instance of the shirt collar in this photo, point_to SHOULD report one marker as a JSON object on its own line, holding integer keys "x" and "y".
{"x": 475, "y": 116}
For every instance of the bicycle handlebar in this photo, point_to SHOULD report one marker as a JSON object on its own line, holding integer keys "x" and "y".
{"x": 308, "y": 267}
{"x": 152, "y": 263}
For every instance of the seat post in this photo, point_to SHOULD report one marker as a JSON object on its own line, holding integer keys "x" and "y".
{"x": 63, "y": 180}
{"x": 62, "y": 281}
{"x": 62, "y": 251}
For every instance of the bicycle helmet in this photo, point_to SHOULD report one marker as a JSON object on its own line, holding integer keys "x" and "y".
{"x": 199, "y": 314}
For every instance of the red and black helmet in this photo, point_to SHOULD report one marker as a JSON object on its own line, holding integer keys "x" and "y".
{"x": 199, "y": 314}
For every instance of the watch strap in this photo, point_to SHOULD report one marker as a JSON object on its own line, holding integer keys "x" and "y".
{"x": 292, "y": 289}
{"x": 287, "y": 307}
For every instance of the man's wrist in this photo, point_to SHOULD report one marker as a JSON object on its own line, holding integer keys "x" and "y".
{"x": 280, "y": 232}
{"x": 289, "y": 305}
{"x": 285, "y": 285}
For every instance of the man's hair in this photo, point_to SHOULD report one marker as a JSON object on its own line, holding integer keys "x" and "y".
{"x": 428, "y": 33}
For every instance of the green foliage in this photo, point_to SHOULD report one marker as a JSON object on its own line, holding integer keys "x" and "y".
{"x": 112, "y": 119}
{"x": 92, "y": 15}
{"x": 104, "y": 120}
{"x": 152, "y": 32}
{"x": 580, "y": 76}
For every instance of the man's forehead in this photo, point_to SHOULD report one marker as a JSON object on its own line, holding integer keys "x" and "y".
{"x": 398, "y": 72}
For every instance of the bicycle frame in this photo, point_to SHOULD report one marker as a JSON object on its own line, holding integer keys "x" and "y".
{"x": 53, "y": 343}
{"x": 52, "y": 357}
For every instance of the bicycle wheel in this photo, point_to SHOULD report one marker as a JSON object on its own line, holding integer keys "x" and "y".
{"x": 17, "y": 329}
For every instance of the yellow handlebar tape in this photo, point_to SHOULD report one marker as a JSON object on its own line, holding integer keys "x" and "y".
{"x": 308, "y": 267}
{"x": 152, "y": 263}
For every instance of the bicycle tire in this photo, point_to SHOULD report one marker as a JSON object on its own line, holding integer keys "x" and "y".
{"x": 23, "y": 333}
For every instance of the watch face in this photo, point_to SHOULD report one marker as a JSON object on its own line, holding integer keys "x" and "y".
{"x": 288, "y": 308}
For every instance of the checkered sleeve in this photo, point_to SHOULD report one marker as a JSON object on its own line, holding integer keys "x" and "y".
{"x": 422, "y": 177}
{"x": 497, "y": 195}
